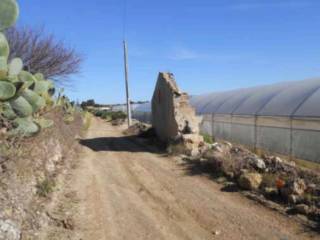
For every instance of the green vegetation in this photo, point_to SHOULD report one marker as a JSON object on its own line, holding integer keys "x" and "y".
{"x": 24, "y": 96}
{"x": 9, "y": 12}
{"x": 45, "y": 187}
{"x": 108, "y": 115}
{"x": 68, "y": 107}
{"x": 208, "y": 139}
{"x": 86, "y": 118}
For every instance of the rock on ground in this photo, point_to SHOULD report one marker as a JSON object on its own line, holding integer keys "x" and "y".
{"x": 257, "y": 163}
{"x": 295, "y": 187}
{"x": 250, "y": 181}
{"x": 9, "y": 230}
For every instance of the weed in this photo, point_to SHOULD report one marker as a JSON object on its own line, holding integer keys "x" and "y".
{"x": 45, "y": 187}
{"x": 208, "y": 139}
{"x": 86, "y": 117}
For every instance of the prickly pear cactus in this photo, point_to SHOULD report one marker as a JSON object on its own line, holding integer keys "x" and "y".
{"x": 21, "y": 107}
{"x": 37, "y": 102}
{"x": 9, "y": 12}
{"x": 25, "y": 126}
{"x": 15, "y": 67}
{"x": 8, "y": 112}
{"x": 68, "y": 108}
{"x": 22, "y": 95}
{"x": 4, "y": 46}
{"x": 3, "y": 68}
{"x": 7, "y": 90}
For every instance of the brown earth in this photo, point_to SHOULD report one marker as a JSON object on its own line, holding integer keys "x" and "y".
{"x": 31, "y": 170}
{"x": 128, "y": 190}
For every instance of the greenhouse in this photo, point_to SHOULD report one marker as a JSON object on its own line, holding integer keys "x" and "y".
{"x": 282, "y": 118}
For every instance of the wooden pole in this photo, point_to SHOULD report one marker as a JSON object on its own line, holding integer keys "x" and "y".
{"x": 125, "y": 48}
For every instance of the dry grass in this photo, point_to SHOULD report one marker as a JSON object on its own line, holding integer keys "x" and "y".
{"x": 300, "y": 162}
{"x": 86, "y": 118}
{"x": 45, "y": 187}
{"x": 307, "y": 164}
{"x": 29, "y": 165}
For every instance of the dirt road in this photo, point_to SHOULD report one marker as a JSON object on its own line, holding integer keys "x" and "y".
{"x": 130, "y": 192}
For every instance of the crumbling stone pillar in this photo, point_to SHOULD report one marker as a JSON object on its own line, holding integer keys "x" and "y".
{"x": 172, "y": 115}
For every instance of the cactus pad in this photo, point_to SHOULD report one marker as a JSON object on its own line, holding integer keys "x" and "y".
{"x": 4, "y": 46}
{"x": 7, "y": 111}
{"x": 7, "y": 90}
{"x": 3, "y": 68}
{"x": 15, "y": 67}
{"x": 42, "y": 87}
{"x": 9, "y": 12}
{"x": 39, "y": 76}
{"x": 27, "y": 79}
{"x": 34, "y": 99}
{"x": 25, "y": 127}
{"x": 21, "y": 107}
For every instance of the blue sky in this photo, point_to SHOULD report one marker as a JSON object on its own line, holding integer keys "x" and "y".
{"x": 210, "y": 45}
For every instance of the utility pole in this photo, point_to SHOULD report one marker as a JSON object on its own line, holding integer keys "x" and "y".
{"x": 127, "y": 82}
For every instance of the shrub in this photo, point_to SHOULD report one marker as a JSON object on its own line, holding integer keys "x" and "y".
{"x": 23, "y": 95}
{"x": 98, "y": 113}
{"x": 118, "y": 115}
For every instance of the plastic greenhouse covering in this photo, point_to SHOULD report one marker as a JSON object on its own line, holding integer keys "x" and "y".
{"x": 145, "y": 107}
{"x": 290, "y": 99}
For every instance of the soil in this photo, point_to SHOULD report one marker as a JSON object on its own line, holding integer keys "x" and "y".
{"x": 31, "y": 172}
{"x": 130, "y": 190}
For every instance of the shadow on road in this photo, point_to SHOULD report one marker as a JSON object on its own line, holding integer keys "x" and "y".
{"x": 119, "y": 144}
{"x": 197, "y": 167}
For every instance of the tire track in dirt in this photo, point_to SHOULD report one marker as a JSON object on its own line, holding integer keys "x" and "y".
{"x": 130, "y": 192}
{"x": 161, "y": 208}
{"x": 205, "y": 221}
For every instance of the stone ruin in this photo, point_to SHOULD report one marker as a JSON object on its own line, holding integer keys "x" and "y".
{"x": 172, "y": 116}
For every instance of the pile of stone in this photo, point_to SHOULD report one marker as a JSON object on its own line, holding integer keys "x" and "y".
{"x": 275, "y": 178}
